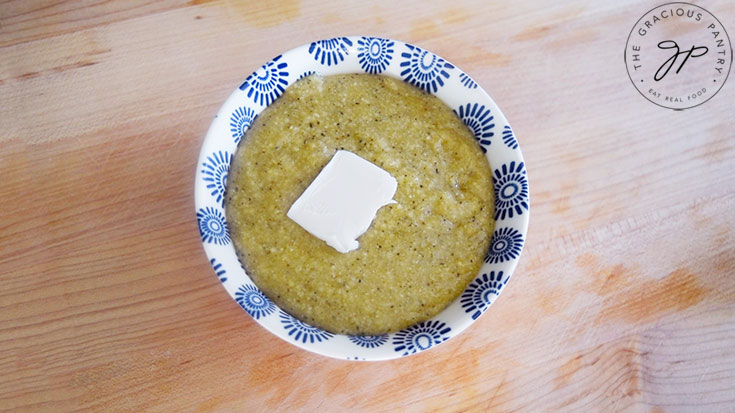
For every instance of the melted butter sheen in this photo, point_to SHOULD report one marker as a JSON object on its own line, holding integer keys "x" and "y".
{"x": 417, "y": 256}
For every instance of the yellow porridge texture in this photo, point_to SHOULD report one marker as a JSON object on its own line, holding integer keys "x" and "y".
{"x": 418, "y": 255}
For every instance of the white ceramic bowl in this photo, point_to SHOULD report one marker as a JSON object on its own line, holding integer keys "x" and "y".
{"x": 416, "y": 66}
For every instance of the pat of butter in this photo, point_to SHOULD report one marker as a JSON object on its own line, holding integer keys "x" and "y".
{"x": 342, "y": 201}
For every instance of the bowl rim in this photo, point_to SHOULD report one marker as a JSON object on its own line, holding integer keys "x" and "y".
{"x": 352, "y": 54}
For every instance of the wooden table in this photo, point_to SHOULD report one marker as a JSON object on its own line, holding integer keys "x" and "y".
{"x": 624, "y": 298}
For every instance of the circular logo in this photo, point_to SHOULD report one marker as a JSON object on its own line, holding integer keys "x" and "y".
{"x": 678, "y": 55}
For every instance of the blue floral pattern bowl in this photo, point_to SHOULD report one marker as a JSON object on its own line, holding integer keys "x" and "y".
{"x": 425, "y": 70}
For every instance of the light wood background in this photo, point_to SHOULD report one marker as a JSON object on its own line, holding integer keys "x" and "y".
{"x": 624, "y": 298}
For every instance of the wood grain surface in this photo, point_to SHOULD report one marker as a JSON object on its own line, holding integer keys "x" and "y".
{"x": 624, "y": 298}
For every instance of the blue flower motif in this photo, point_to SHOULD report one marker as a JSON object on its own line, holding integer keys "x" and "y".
{"x": 301, "y": 331}
{"x": 505, "y": 246}
{"x": 421, "y": 336}
{"x": 478, "y": 118}
{"x": 509, "y": 138}
{"x": 217, "y": 267}
{"x": 467, "y": 81}
{"x": 424, "y": 69}
{"x": 267, "y": 83}
{"x": 212, "y": 226}
{"x": 305, "y": 74}
{"x": 214, "y": 170}
{"x": 254, "y": 302}
{"x": 481, "y": 292}
{"x": 511, "y": 190}
{"x": 331, "y": 51}
{"x": 374, "y": 54}
{"x": 369, "y": 341}
{"x": 240, "y": 121}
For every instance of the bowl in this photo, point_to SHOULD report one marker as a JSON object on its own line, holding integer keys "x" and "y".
{"x": 433, "y": 74}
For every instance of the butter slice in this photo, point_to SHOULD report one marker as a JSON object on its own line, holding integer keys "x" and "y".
{"x": 342, "y": 201}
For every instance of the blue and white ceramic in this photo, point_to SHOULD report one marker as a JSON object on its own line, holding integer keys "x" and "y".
{"x": 416, "y": 66}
